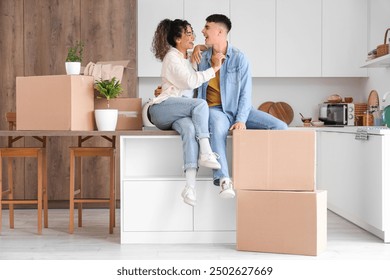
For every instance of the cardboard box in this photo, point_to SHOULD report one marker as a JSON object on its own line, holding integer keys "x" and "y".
{"x": 58, "y": 102}
{"x": 282, "y": 222}
{"x": 106, "y": 70}
{"x": 130, "y": 112}
{"x": 274, "y": 160}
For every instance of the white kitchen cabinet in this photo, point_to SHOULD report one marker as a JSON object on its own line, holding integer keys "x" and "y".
{"x": 344, "y": 38}
{"x": 253, "y": 32}
{"x": 150, "y": 13}
{"x": 298, "y": 38}
{"x": 152, "y": 209}
{"x": 356, "y": 175}
{"x": 145, "y": 207}
{"x": 281, "y": 38}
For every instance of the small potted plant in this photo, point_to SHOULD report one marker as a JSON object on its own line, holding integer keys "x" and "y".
{"x": 74, "y": 58}
{"x": 106, "y": 119}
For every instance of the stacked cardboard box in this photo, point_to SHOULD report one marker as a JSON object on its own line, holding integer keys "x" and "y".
{"x": 279, "y": 209}
{"x": 56, "y": 102}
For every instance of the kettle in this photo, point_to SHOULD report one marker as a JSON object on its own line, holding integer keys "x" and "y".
{"x": 145, "y": 115}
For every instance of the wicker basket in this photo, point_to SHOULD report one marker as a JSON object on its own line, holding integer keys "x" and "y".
{"x": 384, "y": 48}
{"x": 360, "y": 110}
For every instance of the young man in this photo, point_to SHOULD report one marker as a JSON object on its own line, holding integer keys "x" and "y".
{"x": 229, "y": 96}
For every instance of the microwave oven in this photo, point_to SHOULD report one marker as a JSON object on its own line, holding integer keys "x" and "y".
{"x": 337, "y": 113}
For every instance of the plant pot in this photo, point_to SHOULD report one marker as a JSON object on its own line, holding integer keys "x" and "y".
{"x": 106, "y": 119}
{"x": 73, "y": 68}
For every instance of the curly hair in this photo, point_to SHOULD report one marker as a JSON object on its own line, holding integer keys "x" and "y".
{"x": 165, "y": 36}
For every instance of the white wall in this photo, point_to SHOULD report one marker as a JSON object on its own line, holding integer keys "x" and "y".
{"x": 303, "y": 94}
{"x": 379, "y": 21}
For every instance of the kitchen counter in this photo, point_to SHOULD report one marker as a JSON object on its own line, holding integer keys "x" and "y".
{"x": 379, "y": 130}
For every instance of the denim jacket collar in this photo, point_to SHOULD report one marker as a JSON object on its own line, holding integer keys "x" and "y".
{"x": 228, "y": 53}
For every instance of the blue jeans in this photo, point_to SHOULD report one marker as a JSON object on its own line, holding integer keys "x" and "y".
{"x": 189, "y": 117}
{"x": 219, "y": 129}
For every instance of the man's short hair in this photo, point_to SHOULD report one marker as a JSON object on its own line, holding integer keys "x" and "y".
{"x": 219, "y": 18}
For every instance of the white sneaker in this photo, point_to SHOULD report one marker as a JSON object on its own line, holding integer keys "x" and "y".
{"x": 189, "y": 195}
{"x": 227, "y": 190}
{"x": 209, "y": 160}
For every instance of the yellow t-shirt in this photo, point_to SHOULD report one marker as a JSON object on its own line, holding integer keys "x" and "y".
{"x": 213, "y": 95}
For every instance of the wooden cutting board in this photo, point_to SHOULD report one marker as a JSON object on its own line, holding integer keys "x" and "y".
{"x": 282, "y": 111}
{"x": 373, "y": 99}
{"x": 265, "y": 106}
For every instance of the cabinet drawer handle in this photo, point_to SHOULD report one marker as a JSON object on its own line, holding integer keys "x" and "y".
{"x": 361, "y": 134}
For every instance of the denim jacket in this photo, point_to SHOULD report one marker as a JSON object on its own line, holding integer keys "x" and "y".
{"x": 235, "y": 84}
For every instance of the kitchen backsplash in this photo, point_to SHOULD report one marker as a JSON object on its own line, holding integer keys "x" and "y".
{"x": 302, "y": 94}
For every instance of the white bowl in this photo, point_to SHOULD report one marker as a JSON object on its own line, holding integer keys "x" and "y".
{"x": 317, "y": 123}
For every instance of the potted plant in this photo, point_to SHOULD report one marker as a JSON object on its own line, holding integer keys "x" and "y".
{"x": 106, "y": 119}
{"x": 74, "y": 58}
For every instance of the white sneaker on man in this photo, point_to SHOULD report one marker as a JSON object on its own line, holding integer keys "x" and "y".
{"x": 227, "y": 190}
{"x": 209, "y": 160}
{"x": 189, "y": 195}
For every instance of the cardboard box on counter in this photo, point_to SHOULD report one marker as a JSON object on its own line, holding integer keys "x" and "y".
{"x": 274, "y": 160}
{"x": 57, "y": 102}
{"x": 282, "y": 222}
{"x": 129, "y": 111}
{"x": 106, "y": 70}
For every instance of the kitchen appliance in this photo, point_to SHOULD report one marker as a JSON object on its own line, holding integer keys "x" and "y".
{"x": 337, "y": 113}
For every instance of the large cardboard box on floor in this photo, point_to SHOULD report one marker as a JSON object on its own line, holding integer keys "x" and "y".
{"x": 129, "y": 112}
{"x": 282, "y": 222}
{"x": 274, "y": 159}
{"x": 58, "y": 102}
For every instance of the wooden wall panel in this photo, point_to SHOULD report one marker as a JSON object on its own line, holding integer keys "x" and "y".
{"x": 50, "y": 28}
{"x": 11, "y": 53}
{"x": 108, "y": 29}
{"x": 12, "y": 60}
{"x": 34, "y": 38}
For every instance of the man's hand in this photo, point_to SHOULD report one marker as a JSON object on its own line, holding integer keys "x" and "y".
{"x": 157, "y": 91}
{"x": 238, "y": 125}
{"x": 217, "y": 60}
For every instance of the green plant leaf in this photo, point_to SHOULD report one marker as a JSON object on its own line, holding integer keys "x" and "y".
{"x": 109, "y": 89}
{"x": 75, "y": 53}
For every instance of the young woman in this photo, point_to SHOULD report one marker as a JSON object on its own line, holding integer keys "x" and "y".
{"x": 175, "y": 108}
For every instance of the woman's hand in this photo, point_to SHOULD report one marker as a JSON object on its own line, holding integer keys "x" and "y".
{"x": 197, "y": 53}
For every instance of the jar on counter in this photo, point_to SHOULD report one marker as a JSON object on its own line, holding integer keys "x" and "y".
{"x": 378, "y": 117}
{"x": 368, "y": 119}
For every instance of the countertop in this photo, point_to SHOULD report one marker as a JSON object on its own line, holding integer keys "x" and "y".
{"x": 379, "y": 130}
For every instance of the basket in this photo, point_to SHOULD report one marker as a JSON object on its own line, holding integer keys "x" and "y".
{"x": 384, "y": 48}
{"x": 360, "y": 110}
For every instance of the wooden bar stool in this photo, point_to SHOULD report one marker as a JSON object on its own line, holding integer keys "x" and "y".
{"x": 10, "y": 153}
{"x": 76, "y": 195}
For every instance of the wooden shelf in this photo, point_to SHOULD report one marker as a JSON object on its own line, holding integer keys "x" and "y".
{"x": 380, "y": 62}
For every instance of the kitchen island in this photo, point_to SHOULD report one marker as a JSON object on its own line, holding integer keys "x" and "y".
{"x": 350, "y": 167}
{"x": 152, "y": 209}
{"x": 353, "y": 165}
